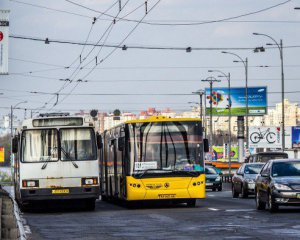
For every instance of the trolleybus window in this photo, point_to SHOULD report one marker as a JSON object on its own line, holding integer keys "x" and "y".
{"x": 174, "y": 146}
{"x": 39, "y": 145}
{"x": 77, "y": 144}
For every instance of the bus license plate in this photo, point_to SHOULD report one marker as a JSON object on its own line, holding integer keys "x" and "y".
{"x": 60, "y": 191}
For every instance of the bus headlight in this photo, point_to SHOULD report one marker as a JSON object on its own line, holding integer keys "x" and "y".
{"x": 89, "y": 181}
{"x": 30, "y": 183}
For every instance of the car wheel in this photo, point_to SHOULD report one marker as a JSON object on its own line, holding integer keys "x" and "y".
{"x": 214, "y": 189}
{"x": 259, "y": 204}
{"x": 273, "y": 207}
{"x": 244, "y": 192}
{"x": 235, "y": 194}
{"x": 220, "y": 188}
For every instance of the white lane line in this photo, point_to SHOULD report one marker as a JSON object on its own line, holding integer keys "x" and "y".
{"x": 213, "y": 209}
{"x": 240, "y": 210}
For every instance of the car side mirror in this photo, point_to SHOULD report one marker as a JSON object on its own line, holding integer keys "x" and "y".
{"x": 99, "y": 141}
{"x": 205, "y": 145}
{"x": 241, "y": 174}
{"x": 14, "y": 144}
{"x": 265, "y": 175}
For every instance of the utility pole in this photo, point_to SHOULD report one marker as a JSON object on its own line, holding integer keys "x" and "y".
{"x": 229, "y": 116}
{"x": 211, "y": 80}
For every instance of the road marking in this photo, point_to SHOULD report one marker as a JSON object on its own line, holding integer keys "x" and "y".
{"x": 240, "y": 210}
{"x": 213, "y": 209}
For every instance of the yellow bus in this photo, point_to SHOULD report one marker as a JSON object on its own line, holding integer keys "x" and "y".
{"x": 154, "y": 159}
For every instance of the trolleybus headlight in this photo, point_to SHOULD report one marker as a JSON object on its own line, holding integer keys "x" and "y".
{"x": 30, "y": 183}
{"x": 89, "y": 181}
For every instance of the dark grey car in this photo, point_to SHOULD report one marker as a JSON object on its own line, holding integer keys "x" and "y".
{"x": 243, "y": 181}
{"x": 213, "y": 179}
{"x": 278, "y": 184}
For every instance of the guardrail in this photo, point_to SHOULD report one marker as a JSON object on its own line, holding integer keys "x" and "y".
{"x": 226, "y": 178}
{"x": 8, "y": 224}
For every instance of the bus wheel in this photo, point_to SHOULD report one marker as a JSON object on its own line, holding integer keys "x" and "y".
{"x": 90, "y": 204}
{"x": 191, "y": 203}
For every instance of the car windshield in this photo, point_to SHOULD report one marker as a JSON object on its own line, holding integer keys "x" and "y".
{"x": 210, "y": 170}
{"x": 285, "y": 169}
{"x": 77, "y": 144}
{"x": 174, "y": 146}
{"x": 253, "y": 168}
{"x": 39, "y": 145}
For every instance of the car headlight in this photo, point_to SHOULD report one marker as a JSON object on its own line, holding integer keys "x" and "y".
{"x": 281, "y": 187}
{"x": 249, "y": 180}
{"x": 218, "y": 179}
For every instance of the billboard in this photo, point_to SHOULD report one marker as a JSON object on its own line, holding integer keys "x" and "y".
{"x": 4, "y": 25}
{"x": 295, "y": 137}
{"x": 2, "y": 154}
{"x": 219, "y": 153}
{"x": 265, "y": 137}
{"x": 257, "y": 101}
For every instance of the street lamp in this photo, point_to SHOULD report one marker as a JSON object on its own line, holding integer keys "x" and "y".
{"x": 12, "y": 116}
{"x": 229, "y": 115}
{"x": 245, "y": 63}
{"x": 211, "y": 80}
{"x": 280, "y": 48}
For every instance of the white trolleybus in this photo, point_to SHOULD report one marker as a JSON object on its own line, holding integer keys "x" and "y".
{"x": 56, "y": 159}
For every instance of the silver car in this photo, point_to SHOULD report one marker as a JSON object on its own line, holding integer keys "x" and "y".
{"x": 243, "y": 181}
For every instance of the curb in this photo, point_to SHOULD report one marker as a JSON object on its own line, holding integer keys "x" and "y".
{"x": 20, "y": 227}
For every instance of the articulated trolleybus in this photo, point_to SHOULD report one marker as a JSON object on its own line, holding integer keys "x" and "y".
{"x": 56, "y": 159}
{"x": 154, "y": 159}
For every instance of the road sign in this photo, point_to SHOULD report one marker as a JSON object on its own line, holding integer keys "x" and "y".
{"x": 4, "y": 36}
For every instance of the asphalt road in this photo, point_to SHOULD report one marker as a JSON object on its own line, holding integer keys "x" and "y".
{"x": 219, "y": 216}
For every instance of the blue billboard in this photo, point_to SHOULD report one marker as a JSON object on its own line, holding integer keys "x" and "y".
{"x": 257, "y": 101}
{"x": 295, "y": 137}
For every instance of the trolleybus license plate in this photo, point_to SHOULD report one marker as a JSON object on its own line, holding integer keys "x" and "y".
{"x": 60, "y": 191}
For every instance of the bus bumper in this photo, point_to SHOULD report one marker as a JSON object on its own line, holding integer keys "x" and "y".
{"x": 60, "y": 194}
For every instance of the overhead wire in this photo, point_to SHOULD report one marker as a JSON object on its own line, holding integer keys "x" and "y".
{"x": 188, "y": 24}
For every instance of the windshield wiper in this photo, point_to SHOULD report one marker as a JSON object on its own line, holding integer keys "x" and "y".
{"x": 46, "y": 163}
{"x": 68, "y": 157}
{"x": 48, "y": 158}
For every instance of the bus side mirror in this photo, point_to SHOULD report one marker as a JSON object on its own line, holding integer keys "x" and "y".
{"x": 205, "y": 145}
{"x": 14, "y": 145}
{"x": 121, "y": 143}
{"x": 99, "y": 141}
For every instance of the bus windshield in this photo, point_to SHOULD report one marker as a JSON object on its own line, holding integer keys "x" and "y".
{"x": 43, "y": 145}
{"x": 39, "y": 145}
{"x": 77, "y": 144}
{"x": 167, "y": 146}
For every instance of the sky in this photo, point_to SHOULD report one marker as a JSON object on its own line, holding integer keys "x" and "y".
{"x": 158, "y": 72}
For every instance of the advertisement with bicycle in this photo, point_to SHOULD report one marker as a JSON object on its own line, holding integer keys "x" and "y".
{"x": 265, "y": 137}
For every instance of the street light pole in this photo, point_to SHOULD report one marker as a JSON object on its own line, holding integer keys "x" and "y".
{"x": 245, "y": 63}
{"x": 229, "y": 116}
{"x": 11, "y": 125}
{"x": 280, "y": 48}
{"x": 211, "y": 80}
